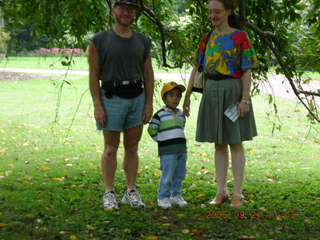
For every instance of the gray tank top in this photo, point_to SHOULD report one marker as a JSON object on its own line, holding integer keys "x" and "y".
{"x": 121, "y": 59}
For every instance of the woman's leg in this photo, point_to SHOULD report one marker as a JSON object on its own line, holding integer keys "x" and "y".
{"x": 221, "y": 166}
{"x": 238, "y": 164}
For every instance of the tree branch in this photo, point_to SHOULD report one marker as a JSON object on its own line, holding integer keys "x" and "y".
{"x": 309, "y": 93}
{"x": 151, "y": 15}
{"x": 272, "y": 43}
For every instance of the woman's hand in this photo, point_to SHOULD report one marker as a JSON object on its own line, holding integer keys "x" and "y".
{"x": 186, "y": 106}
{"x": 243, "y": 108}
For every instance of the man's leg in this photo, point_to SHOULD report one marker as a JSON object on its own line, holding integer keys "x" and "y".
{"x": 131, "y": 138}
{"x": 109, "y": 158}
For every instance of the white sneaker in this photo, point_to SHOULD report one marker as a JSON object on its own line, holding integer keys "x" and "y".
{"x": 164, "y": 203}
{"x": 133, "y": 198}
{"x": 178, "y": 200}
{"x": 110, "y": 201}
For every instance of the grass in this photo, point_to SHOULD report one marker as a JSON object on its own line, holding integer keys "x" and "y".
{"x": 51, "y": 185}
{"x": 79, "y": 63}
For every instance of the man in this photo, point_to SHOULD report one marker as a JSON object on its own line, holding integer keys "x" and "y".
{"x": 120, "y": 58}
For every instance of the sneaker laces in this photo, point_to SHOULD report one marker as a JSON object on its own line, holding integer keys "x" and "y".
{"x": 134, "y": 196}
{"x": 109, "y": 198}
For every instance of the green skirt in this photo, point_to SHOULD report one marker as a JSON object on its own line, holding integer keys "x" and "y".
{"x": 213, "y": 125}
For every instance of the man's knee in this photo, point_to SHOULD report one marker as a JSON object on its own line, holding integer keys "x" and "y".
{"x": 131, "y": 149}
{"x": 110, "y": 151}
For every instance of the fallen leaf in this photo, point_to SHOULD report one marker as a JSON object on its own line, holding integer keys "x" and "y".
{"x": 58, "y": 179}
{"x": 185, "y": 231}
{"x": 201, "y": 195}
{"x": 90, "y": 228}
{"x": 151, "y": 237}
{"x": 166, "y": 225}
{"x": 3, "y": 224}
{"x": 197, "y": 232}
{"x": 247, "y": 238}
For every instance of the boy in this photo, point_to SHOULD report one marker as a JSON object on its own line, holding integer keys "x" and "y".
{"x": 166, "y": 128}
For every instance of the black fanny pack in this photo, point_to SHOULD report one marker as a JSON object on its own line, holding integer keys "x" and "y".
{"x": 123, "y": 89}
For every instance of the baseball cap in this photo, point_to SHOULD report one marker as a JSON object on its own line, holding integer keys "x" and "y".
{"x": 171, "y": 85}
{"x": 126, "y": 2}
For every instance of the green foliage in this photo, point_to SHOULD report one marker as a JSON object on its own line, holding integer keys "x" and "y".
{"x": 69, "y": 23}
{"x": 4, "y": 37}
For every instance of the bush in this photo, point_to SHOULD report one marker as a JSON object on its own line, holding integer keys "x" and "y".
{"x": 4, "y": 37}
{"x": 54, "y": 52}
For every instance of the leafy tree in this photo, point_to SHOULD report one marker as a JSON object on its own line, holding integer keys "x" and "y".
{"x": 272, "y": 24}
{"x": 4, "y": 37}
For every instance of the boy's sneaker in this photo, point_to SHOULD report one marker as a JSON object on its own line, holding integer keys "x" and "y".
{"x": 164, "y": 203}
{"x": 133, "y": 198}
{"x": 178, "y": 200}
{"x": 110, "y": 201}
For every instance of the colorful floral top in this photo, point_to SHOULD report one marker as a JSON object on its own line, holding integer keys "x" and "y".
{"x": 230, "y": 54}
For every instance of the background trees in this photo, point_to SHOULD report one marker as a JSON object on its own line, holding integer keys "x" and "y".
{"x": 286, "y": 33}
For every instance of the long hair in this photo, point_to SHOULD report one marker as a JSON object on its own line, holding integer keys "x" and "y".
{"x": 233, "y": 19}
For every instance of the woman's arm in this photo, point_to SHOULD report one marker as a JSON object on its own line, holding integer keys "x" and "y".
{"x": 246, "y": 86}
{"x": 186, "y": 103}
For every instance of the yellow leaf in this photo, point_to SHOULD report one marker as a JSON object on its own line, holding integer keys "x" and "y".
{"x": 180, "y": 215}
{"x": 3, "y": 224}
{"x": 201, "y": 195}
{"x": 45, "y": 169}
{"x": 90, "y": 228}
{"x": 11, "y": 165}
{"x": 185, "y": 231}
{"x": 127, "y": 230}
{"x": 166, "y": 225}
{"x": 58, "y": 179}
{"x": 151, "y": 237}
{"x": 73, "y": 237}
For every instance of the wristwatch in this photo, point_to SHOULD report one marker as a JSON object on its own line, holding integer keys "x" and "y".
{"x": 245, "y": 101}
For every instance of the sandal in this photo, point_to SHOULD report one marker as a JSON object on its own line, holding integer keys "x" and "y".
{"x": 237, "y": 201}
{"x": 219, "y": 199}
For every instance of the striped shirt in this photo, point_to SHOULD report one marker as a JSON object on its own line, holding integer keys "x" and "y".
{"x": 166, "y": 128}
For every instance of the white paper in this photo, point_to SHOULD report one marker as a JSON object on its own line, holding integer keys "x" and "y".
{"x": 232, "y": 112}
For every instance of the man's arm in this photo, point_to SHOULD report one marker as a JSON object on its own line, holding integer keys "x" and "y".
{"x": 149, "y": 88}
{"x": 94, "y": 85}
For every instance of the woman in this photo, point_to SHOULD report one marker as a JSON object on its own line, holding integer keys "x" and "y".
{"x": 229, "y": 59}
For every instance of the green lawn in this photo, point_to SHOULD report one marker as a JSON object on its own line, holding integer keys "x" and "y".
{"x": 51, "y": 185}
{"x": 78, "y": 63}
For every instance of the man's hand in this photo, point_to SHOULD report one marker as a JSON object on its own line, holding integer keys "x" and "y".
{"x": 100, "y": 115}
{"x": 147, "y": 114}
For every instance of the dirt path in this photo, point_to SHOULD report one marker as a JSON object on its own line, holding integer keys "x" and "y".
{"x": 277, "y": 84}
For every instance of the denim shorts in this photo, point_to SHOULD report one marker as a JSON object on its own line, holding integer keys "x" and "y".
{"x": 122, "y": 113}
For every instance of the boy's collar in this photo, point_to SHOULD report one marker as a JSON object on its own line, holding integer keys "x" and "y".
{"x": 171, "y": 110}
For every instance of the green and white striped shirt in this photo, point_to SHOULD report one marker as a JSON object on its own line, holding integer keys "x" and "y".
{"x": 166, "y": 128}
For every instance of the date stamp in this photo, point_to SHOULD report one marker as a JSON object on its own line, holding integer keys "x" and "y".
{"x": 251, "y": 215}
